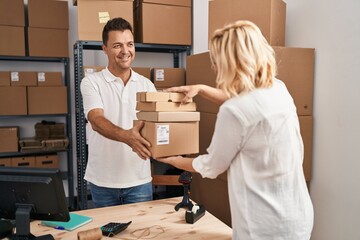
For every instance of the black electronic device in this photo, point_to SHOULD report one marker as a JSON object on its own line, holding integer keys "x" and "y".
{"x": 197, "y": 211}
{"x": 185, "y": 178}
{"x": 32, "y": 193}
{"x": 112, "y": 228}
{"x": 6, "y": 228}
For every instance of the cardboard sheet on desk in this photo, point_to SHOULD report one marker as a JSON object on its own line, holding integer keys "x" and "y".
{"x": 75, "y": 222}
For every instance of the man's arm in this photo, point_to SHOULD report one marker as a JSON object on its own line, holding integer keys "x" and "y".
{"x": 109, "y": 130}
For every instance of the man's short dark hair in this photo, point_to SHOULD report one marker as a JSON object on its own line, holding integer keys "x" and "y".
{"x": 115, "y": 24}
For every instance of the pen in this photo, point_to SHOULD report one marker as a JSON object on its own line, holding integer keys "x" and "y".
{"x": 55, "y": 227}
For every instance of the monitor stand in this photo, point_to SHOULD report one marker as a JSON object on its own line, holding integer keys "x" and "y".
{"x": 22, "y": 224}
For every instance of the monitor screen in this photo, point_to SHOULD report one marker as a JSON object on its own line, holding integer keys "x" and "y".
{"x": 32, "y": 193}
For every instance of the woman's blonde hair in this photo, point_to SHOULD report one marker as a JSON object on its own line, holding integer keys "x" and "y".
{"x": 242, "y": 58}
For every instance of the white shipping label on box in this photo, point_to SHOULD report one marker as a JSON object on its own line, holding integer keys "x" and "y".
{"x": 104, "y": 17}
{"x": 15, "y": 76}
{"x": 159, "y": 75}
{"x": 41, "y": 77}
{"x": 163, "y": 134}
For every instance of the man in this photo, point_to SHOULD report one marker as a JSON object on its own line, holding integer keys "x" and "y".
{"x": 118, "y": 168}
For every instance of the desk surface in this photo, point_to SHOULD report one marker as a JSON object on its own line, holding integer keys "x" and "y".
{"x": 150, "y": 220}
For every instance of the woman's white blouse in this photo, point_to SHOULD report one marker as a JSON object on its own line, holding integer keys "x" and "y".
{"x": 257, "y": 141}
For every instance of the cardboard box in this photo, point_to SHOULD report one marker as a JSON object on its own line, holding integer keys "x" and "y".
{"x": 163, "y": 22}
{"x": 45, "y": 79}
{"x": 306, "y": 129}
{"x": 168, "y": 139}
{"x": 159, "y": 97}
{"x": 9, "y": 139}
{"x": 268, "y": 15}
{"x": 5, "y": 162}
{"x": 4, "y": 79}
{"x": 169, "y": 116}
{"x": 47, "y": 161}
{"x": 296, "y": 70}
{"x": 144, "y": 71}
{"x": 165, "y": 107}
{"x": 198, "y": 71}
{"x": 31, "y": 145}
{"x": 49, "y": 130}
{"x": 213, "y": 194}
{"x": 43, "y": 40}
{"x": 13, "y": 101}
{"x": 93, "y": 15}
{"x": 56, "y": 144}
{"x": 12, "y": 41}
{"x": 23, "y": 161}
{"x": 206, "y": 130}
{"x": 48, "y": 14}
{"x": 91, "y": 69}
{"x": 23, "y": 79}
{"x": 12, "y": 13}
{"x": 168, "y": 77}
{"x": 47, "y": 100}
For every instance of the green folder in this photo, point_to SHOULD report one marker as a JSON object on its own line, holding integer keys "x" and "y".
{"x": 75, "y": 222}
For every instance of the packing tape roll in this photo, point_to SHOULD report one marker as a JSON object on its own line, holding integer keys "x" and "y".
{"x": 91, "y": 234}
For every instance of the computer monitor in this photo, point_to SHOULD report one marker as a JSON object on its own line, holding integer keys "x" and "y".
{"x": 32, "y": 193}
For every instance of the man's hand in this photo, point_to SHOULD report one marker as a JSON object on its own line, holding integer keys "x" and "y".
{"x": 138, "y": 144}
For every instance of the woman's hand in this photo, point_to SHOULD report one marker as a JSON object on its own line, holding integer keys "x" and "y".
{"x": 211, "y": 94}
{"x": 190, "y": 91}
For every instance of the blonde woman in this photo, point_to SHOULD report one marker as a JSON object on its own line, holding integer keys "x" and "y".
{"x": 256, "y": 139}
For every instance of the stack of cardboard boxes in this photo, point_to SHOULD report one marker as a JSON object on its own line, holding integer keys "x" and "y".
{"x": 93, "y": 15}
{"x": 171, "y": 127}
{"x": 48, "y": 25}
{"x": 39, "y": 29}
{"x": 48, "y": 137}
{"x": 9, "y": 142}
{"x": 29, "y": 93}
{"x": 161, "y": 77}
{"x": 295, "y": 69}
{"x": 38, "y": 161}
{"x": 23, "y": 93}
{"x": 154, "y": 21}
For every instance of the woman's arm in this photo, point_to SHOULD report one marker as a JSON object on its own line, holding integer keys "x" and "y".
{"x": 214, "y": 95}
{"x": 179, "y": 162}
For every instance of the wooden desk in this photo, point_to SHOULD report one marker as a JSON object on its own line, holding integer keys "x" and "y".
{"x": 150, "y": 220}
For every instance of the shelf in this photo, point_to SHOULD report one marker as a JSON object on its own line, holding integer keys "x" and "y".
{"x": 21, "y": 154}
{"x": 140, "y": 47}
{"x": 81, "y": 145}
{"x": 34, "y": 59}
{"x": 34, "y": 116}
{"x": 68, "y": 174}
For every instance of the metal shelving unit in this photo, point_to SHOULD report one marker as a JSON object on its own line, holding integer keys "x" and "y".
{"x": 69, "y": 173}
{"x": 81, "y": 147}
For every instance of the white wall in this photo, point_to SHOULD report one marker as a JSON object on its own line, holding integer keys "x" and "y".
{"x": 333, "y": 28}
